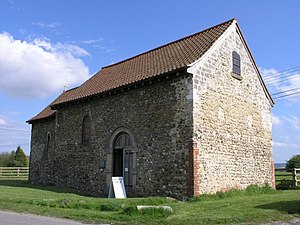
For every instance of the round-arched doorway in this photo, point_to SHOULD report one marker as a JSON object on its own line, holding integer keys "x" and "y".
{"x": 122, "y": 158}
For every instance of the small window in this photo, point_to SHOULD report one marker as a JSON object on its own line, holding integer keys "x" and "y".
{"x": 236, "y": 63}
{"x": 86, "y": 129}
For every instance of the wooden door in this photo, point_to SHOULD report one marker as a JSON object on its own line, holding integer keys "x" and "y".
{"x": 128, "y": 172}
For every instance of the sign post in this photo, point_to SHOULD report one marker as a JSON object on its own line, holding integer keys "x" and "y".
{"x": 117, "y": 188}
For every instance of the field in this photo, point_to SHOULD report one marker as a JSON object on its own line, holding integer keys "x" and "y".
{"x": 253, "y": 206}
{"x": 280, "y": 175}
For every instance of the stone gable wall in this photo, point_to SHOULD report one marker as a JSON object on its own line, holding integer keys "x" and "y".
{"x": 158, "y": 115}
{"x": 232, "y": 121}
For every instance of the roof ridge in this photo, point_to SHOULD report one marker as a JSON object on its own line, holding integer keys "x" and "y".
{"x": 170, "y": 43}
{"x": 71, "y": 89}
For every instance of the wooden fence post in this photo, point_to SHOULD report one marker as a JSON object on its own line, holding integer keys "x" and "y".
{"x": 295, "y": 177}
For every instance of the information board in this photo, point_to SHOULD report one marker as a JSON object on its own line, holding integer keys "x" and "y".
{"x": 117, "y": 188}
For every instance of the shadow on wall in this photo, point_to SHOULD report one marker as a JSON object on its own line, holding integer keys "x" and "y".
{"x": 290, "y": 207}
{"x": 25, "y": 183}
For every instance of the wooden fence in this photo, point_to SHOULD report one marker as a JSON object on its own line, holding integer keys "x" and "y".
{"x": 14, "y": 172}
{"x": 290, "y": 174}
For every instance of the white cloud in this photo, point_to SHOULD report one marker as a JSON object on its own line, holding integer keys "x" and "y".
{"x": 285, "y": 145}
{"x": 92, "y": 41}
{"x": 294, "y": 121}
{"x": 96, "y": 44}
{"x": 39, "y": 68}
{"x": 2, "y": 122}
{"x": 47, "y": 25}
{"x": 276, "y": 120}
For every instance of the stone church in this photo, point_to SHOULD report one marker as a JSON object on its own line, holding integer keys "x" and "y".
{"x": 190, "y": 117}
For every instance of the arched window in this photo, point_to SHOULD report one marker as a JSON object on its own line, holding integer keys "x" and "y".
{"x": 236, "y": 63}
{"x": 86, "y": 129}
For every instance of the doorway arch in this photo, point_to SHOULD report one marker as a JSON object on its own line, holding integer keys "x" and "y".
{"x": 121, "y": 159}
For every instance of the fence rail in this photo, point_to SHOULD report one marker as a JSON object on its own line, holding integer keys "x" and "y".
{"x": 14, "y": 172}
{"x": 289, "y": 174}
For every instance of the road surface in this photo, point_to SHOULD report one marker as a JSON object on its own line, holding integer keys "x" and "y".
{"x": 13, "y": 218}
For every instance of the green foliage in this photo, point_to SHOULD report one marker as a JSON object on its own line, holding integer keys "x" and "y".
{"x": 6, "y": 158}
{"x": 129, "y": 210}
{"x": 14, "y": 158}
{"x": 110, "y": 206}
{"x": 285, "y": 184}
{"x": 293, "y": 162}
{"x": 20, "y": 158}
{"x": 251, "y": 190}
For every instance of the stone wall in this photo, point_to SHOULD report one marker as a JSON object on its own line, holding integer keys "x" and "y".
{"x": 159, "y": 116}
{"x": 42, "y": 152}
{"x": 232, "y": 121}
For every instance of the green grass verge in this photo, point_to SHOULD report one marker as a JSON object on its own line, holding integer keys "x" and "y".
{"x": 252, "y": 206}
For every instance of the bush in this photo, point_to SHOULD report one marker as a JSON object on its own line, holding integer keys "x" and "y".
{"x": 14, "y": 158}
{"x": 285, "y": 184}
{"x": 293, "y": 162}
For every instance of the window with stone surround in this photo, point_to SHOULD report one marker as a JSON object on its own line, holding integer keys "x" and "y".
{"x": 236, "y": 65}
{"x": 86, "y": 129}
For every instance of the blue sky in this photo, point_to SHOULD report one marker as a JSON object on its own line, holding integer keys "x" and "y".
{"x": 45, "y": 45}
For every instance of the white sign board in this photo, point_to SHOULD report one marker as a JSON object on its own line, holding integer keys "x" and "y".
{"x": 117, "y": 188}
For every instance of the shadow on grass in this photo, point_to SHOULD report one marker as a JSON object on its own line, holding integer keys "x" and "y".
{"x": 25, "y": 183}
{"x": 290, "y": 207}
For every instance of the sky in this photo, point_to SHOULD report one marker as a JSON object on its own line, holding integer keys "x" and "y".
{"x": 52, "y": 45}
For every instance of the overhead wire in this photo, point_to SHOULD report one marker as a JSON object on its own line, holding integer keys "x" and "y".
{"x": 281, "y": 77}
{"x": 279, "y": 73}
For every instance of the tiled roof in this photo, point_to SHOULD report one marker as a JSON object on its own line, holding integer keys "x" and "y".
{"x": 167, "y": 58}
{"x": 48, "y": 112}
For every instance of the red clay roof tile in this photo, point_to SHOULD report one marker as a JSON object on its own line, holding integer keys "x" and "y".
{"x": 48, "y": 112}
{"x": 167, "y": 58}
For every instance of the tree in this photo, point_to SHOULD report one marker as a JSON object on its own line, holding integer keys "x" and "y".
{"x": 7, "y": 159}
{"x": 293, "y": 162}
{"x": 20, "y": 157}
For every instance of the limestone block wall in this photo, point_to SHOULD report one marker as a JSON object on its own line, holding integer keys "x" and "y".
{"x": 159, "y": 116}
{"x": 232, "y": 121}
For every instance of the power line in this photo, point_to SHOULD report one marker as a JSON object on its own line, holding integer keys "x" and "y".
{"x": 287, "y": 95}
{"x": 281, "y": 81}
{"x": 282, "y": 92}
{"x": 296, "y": 72}
{"x": 13, "y": 129}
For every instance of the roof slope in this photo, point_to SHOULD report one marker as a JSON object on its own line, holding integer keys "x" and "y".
{"x": 48, "y": 112}
{"x": 167, "y": 58}
{"x": 45, "y": 113}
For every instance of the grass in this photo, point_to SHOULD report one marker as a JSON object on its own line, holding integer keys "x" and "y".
{"x": 252, "y": 206}
{"x": 280, "y": 175}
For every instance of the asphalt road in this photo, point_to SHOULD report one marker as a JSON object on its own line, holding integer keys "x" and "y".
{"x": 12, "y": 218}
